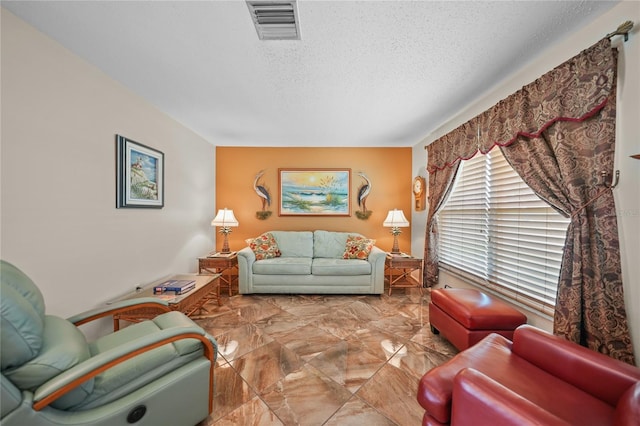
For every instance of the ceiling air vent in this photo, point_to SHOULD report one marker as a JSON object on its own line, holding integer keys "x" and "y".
{"x": 275, "y": 20}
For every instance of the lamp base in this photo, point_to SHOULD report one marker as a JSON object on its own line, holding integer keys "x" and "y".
{"x": 225, "y": 245}
{"x": 396, "y": 248}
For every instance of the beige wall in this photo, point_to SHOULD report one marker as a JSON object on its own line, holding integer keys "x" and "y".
{"x": 627, "y": 194}
{"x": 59, "y": 223}
{"x": 389, "y": 170}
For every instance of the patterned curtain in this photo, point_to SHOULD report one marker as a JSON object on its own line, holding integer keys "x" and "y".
{"x": 440, "y": 185}
{"x": 558, "y": 133}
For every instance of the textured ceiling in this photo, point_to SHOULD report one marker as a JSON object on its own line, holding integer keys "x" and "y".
{"x": 365, "y": 73}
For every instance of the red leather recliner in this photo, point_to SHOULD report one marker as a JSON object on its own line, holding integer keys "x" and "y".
{"x": 538, "y": 379}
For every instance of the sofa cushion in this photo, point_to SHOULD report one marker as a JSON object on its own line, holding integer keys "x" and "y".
{"x": 348, "y": 267}
{"x": 264, "y": 246}
{"x": 294, "y": 243}
{"x": 283, "y": 266}
{"x": 358, "y": 247}
{"x": 329, "y": 244}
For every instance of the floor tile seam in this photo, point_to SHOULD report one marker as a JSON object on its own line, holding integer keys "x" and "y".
{"x": 355, "y": 393}
{"x": 355, "y": 396}
{"x": 208, "y": 316}
{"x": 309, "y": 324}
{"x": 254, "y": 390}
{"x": 318, "y": 371}
{"x": 403, "y": 371}
{"x": 333, "y": 381}
{"x": 250, "y": 308}
{"x": 377, "y": 411}
{"x": 429, "y": 349}
{"x": 400, "y": 338}
{"x": 243, "y": 322}
{"x": 372, "y": 377}
{"x": 339, "y": 408}
{"x": 259, "y": 396}
{"x": 303, "y": 363}
{"x": 335, "y": 335}
{"x": 308, "y": 319}
{"x": 230, "y": 361}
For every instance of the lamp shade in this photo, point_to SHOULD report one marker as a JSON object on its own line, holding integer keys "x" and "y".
{"x": 396, "y": 219}
{"x": 225, "y": 218}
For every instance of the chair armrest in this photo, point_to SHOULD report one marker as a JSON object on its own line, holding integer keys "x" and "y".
{"x": 75, "y": 376}
{"x": 477, "y": 399}
{"x": 118, "y": 307}
{"x": 628, "y": 408}
{"x": 599, "y": 375}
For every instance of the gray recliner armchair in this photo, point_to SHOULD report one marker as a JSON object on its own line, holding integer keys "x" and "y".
{"x": 156, "y": 372}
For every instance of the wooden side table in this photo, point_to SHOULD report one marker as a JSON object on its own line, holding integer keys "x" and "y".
{"x": 220, "y": 265}
{"x": 405, "y": 264}
{"x": 207, "y": 288}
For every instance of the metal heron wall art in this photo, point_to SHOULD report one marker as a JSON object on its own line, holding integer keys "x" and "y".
{"x": 363, "y": 193}
{"x": 265, "y": 196}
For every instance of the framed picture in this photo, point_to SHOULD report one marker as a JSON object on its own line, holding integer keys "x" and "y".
{"x": 314, "y": 192}
{"x": 139, "y": 175}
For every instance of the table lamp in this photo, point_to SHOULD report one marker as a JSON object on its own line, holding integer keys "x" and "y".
{"x": 225, "y": 220}
{"x": 395, "y": 220}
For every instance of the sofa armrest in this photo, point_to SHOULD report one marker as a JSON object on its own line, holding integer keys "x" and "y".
{"x": 377, "y": 255}
{"x": 477, "y": 400}
{"x": 599, "y": 375}
{"x": 377, "y": 258}
{"x": 246, "y": 258}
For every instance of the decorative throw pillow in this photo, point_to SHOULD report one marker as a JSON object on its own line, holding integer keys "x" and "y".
{"x": 264, "y": 246}
{"x": 358, "y": 247}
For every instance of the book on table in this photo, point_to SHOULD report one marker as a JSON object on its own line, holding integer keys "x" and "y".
{"x": 177, "y": 286}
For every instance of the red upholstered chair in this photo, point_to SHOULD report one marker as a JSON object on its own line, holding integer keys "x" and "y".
{"x": 537, "y": 379}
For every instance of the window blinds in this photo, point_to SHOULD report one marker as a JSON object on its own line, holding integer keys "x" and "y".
{"x": 495, "y": 228}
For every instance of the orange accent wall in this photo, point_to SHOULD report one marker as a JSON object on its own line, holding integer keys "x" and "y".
{"x": 388, "y": 169}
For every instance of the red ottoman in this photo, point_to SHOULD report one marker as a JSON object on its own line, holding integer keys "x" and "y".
{"x": 464, "y": 316}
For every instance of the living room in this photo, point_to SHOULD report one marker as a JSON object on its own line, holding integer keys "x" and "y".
{"x": 60, "y": 116}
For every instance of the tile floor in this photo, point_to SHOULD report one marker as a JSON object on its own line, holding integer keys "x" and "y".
{"x": 321, "y": 360}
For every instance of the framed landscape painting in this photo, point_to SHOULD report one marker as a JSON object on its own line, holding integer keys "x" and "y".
{"x": 139, "y": 175}
{"x": 314, "y": 192}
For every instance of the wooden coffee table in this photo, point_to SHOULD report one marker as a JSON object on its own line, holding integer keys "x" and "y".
{"x": 207, "y": 288}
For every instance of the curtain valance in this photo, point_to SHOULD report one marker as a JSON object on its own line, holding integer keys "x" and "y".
{"x": 573, "y": 91}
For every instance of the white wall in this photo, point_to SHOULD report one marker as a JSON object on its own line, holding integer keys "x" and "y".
{"x": 627, "y": 194}
{"x": 59, "y": 223}
{"x": 418, "y": 218}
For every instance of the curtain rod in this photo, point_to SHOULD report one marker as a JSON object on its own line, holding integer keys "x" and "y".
{"x": 623, "y": 29}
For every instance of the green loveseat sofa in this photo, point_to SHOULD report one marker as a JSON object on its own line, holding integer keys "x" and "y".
{"x": 311, "y": 262}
